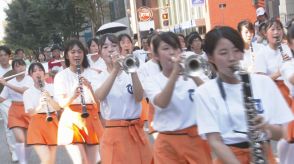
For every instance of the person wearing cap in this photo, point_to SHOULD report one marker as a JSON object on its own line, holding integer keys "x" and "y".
{"x": 261, "y": 17}
{"x": 55, "y": 64}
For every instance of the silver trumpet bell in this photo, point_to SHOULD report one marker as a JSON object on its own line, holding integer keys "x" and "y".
{"x": 191, "y": 64}
{"x": 130, "y": 63}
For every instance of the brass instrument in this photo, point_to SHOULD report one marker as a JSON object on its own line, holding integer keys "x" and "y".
{"x": 256, "y": 138}
{"x": 41, "y": 84}
{"x": 130, "y": 63}
{"x": 194, "y": 65}
{"x": 85, "y": 113}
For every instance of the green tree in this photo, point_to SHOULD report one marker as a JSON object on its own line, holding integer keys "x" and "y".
{"x": 95, "y": 10}
{"x": 36, "y": 23}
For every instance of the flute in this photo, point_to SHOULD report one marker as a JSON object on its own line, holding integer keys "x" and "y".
{"x": 12, "y": 76}
{"x": 85, "y": 113}
{"x": 41, "y": 84}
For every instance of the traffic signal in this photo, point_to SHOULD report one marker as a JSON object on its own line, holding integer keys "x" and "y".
{"x": 165, "y": 16}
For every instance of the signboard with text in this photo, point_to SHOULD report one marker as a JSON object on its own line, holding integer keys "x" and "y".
{"x": 145, "y": 14}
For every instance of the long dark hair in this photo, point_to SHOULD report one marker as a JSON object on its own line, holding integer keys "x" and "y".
{"x": 213, "y": 36}
{"x": 69, "y": 45}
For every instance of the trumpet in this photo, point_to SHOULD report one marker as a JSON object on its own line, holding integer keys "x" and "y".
{"x": 41, "y": 84}
{"x": 194, "y": 65}
{"x": 130, "y": 63}
{"x": 85, "y": 113}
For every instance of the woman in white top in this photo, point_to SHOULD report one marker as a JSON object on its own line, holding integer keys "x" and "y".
{"x": 95, "y": 60}
{"x": 74, "y": 89}
{"x": 38, "y": 102}
{"x": 18, "y": 120}
{"x": 174, "y": 100}
{"x": 221, "y": 118}
{"x": 270, "y": 58}
{"x": 126, "y": 44}
{"x": 120, "y": 96}
{"x": 286, "y": 146}
{"x": 246, "y": 29}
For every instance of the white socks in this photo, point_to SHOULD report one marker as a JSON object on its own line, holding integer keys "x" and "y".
{"x": 20, "y": 152}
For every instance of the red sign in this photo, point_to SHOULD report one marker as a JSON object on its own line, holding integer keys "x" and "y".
{"x": 145, "y": 13}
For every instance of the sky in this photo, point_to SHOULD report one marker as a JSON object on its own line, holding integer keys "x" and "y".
{"x": 3, "y": 5}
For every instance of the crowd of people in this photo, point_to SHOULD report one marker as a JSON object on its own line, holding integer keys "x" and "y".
{"x": 98, "y": 101}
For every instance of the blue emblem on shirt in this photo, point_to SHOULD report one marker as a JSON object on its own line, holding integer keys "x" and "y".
{"x": 191, "y": 93}
{"x": 258, "y": 106}
{"x": 130, "y": 88}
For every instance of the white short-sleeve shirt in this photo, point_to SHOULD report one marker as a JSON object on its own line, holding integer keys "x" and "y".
{"x": 99, "y": 64}
{"x": 181, "y": 111}
{"x": 8, "y": 93}
{"x": 287, "y": 71}
{"x": 66, "y": 81}
{"x": 227, "y": 116}
{"x": 268, "y": 61}
{"x": 148, "y": 69}
{"x": 248, "y": 62}
{"x": 31, "y": 99}
{"x": 4, "y": 70}
{"x": 120, "y": 102}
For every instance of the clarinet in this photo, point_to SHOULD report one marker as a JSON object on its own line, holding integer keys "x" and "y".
{"x": 41, "y": 84}
{"x": 85, "y": 113}
{"x": 256, "y": 138}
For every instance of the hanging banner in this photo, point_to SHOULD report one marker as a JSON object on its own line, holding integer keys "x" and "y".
{"x": 198, "y": 2}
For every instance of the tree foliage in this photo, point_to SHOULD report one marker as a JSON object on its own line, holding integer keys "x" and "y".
{"x": 95, "y": 10}
{"x": 36, "y": 23}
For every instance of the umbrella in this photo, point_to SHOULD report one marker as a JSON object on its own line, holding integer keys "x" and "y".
{"x": 111, "y": 27}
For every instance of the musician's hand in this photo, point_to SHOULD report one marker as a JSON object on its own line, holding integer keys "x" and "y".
{"x": 3, "y": 81}
{"x": 262, "y": 125}
{"x": 286, "y": 57}
{"x": 116, "y": 60}
{"x": 177, "y": 67}
{"x": 86, "y": 83}
{"x": 77, "y": 93}
{"x": 46, "y": 94}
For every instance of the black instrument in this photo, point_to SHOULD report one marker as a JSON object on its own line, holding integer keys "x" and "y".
{"x": 85, "y": 113}
{"x": 41, "y": 84}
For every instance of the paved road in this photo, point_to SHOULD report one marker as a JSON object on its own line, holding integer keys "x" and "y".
{"x": 5, "y": 157}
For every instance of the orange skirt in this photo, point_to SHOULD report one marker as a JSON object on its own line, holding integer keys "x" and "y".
{"x": 284, "y": 90}
{"x": 41, "y": 132}
{"x": 243, "y": 155}
{"x": 150, "y": 119}
{"x": 145, "y": 109}
{"x": 181, "y": 147}
{"x": 17, "y": 116}
{"x": 75, "y": 129}
{"x": 125, "y": 142}
{"x": 290, "y": 130}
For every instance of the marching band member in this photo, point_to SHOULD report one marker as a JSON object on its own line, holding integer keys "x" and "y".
{"x": 147, "y": 70}
{"x": 175, "y": 107}
{"x": 181, "y": 38}
{"x": 286, "y": 147}
{"x": 246, "y": 29}
{"x": 95, "y": 60}
{"x": 73, "y": 89}
{"x": 126, "y": 44}
{"x": 120, "y": 94}
{"x": 5, "y": 67}
{"x": 269, "y": 59}
{"x": 221, "y": 115}
{"x": 41, "y": 134}
{"x": 18, "y": 120}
